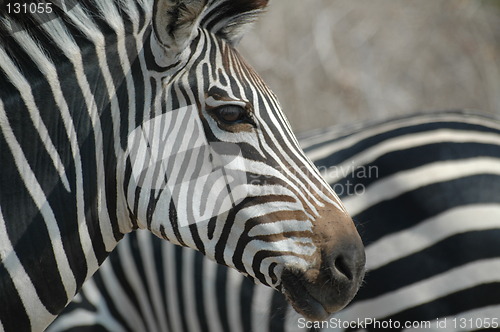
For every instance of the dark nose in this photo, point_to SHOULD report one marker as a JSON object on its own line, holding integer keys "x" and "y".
{"x": 340, "y": 275}
{"x": 321, "y": 291}
{"x": 345, "y": 263}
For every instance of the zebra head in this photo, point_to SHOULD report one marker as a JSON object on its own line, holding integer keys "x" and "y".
{"x": 215, "y": 166}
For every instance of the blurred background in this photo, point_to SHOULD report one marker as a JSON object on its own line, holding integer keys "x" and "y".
{"x": 343, "y": 61}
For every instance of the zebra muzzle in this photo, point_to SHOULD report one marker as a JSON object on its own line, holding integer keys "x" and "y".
{"x": 320, "y": 292}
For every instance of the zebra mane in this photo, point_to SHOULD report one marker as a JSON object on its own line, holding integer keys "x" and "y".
{"x": 68, "y": 12}
{"x": 228, "y": 19}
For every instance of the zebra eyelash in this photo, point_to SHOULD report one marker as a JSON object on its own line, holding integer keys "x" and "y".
{"x": 223, "y": 115}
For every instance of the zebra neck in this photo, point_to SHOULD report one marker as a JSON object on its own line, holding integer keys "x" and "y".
{"x": 64, "y": 109}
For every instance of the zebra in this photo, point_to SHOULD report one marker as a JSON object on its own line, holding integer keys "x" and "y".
{"x": 140, "y": 114}
{"x": 429, "y": 214}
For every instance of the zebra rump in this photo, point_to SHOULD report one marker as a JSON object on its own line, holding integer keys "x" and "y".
{"x": 424, "y": 191}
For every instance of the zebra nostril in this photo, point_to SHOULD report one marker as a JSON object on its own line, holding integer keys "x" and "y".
{"x": 345, "y": 262}
{"x": 327, "y": 288}
{"x": 341, "y": 266}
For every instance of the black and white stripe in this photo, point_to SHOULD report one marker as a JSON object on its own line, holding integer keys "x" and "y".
{"x": 429, "y": 213}
{"x": 76, "y": 85}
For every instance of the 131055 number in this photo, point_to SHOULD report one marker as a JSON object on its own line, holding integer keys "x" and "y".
{"x": 477, "y": 323}
{"x": 29, "y": 8}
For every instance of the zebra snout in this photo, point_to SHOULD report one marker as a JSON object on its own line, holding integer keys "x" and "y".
{"x": 339, "y": 276}
{"x": 332, "y": 284}
{"x": 348, "y": 262}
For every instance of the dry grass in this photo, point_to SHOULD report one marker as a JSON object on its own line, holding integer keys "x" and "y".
{"x": 339, "y": 61}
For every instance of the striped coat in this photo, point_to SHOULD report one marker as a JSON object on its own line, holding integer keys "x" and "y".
{"x": 425, "y": 193}
{"x": 120, "y": 115}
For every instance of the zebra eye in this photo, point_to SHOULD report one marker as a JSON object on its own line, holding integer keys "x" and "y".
{"x": 231, "y": 114}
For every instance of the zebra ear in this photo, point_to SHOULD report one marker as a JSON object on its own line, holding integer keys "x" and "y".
{"x": 234, "y": 17}
{"x": 175, "y": 23}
